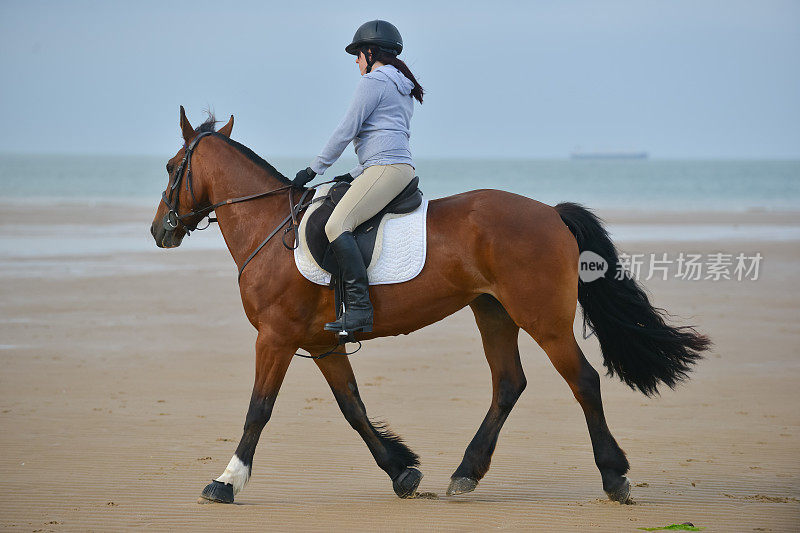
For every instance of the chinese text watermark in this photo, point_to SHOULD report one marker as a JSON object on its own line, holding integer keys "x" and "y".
{"x": 684, "y": 266}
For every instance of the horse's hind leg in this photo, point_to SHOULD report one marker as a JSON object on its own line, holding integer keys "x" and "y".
{"x": 544, "y": 306}
{"x": 389, "y": 451}
{"x": 499, "y": 335}
{"x": 566, "y": 356}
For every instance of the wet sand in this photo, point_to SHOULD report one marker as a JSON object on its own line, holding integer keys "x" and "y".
{"x": 124, "y": 388}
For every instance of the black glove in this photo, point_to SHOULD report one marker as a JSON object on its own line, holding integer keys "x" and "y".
{"x": 303, "y": 177}
{"x": 347, "y": 178}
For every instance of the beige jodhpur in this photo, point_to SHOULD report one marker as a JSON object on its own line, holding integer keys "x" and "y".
{"x": 369, "y": 193}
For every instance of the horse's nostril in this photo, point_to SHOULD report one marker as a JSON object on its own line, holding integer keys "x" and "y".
{"x": 153, "y": 230}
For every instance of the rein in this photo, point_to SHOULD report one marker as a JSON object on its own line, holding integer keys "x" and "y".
{"x": 294, "y": 210}
{"x": 173, "y": 219}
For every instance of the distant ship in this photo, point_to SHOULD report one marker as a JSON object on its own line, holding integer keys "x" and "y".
{"x": 578, "y": 154}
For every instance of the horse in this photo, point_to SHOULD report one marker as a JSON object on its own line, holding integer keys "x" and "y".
{"x": 513, "y": 260}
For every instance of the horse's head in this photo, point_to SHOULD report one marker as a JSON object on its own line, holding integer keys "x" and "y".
{"x": 177, "y": 211}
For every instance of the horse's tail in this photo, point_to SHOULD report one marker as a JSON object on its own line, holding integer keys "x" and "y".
{"x": 637, "y": 343}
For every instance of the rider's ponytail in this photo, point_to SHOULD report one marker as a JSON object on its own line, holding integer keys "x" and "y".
{"x": 390, "y": 59}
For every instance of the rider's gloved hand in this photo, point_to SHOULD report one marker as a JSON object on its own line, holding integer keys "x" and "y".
{"x": 347, "y": 178}
{"x": 303, "y": 177}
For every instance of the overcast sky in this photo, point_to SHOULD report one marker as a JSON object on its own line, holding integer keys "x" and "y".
{"x": 677, "y": 78}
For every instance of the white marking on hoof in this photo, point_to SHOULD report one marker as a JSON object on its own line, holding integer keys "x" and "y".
{"x": 236, "y": 473}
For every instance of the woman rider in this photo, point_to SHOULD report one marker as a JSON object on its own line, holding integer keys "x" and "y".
{"x": 377, "y": 122}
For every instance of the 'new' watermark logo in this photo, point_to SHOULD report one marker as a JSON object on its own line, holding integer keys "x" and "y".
{"x": 591, "y": 266}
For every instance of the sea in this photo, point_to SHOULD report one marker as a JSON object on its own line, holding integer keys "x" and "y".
{"x": 661, "y": 185}
{"x": 651, "y": 185}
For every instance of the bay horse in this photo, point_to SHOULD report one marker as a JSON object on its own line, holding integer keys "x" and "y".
{"x": 511, "y": 259}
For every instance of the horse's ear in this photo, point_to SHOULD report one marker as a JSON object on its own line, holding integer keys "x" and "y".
{"x": 227, "y": 128}
{"x": 186, "y": 128}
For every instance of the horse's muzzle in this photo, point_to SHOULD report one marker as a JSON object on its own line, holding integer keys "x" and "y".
{"x": 165, "y": 234}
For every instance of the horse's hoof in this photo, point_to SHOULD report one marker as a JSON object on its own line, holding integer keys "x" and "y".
{"x": 621, "y": 493}
{"x": 461, "y": 485}
{"x": 216, "y": 491}
{"x": 405, "y": 485}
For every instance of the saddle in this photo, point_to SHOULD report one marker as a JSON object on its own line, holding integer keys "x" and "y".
{"x": 366, "y": 234}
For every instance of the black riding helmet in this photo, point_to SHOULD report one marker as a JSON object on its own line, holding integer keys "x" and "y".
{"x": 376, "y": 32}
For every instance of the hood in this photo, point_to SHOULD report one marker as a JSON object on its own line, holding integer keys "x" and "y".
{"x": 390, "y": 73}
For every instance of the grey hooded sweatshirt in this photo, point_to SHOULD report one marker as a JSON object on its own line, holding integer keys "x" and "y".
{"x": 377, "y": 122}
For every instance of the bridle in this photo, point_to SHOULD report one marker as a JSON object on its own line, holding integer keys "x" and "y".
{"x": 173, "y": 220}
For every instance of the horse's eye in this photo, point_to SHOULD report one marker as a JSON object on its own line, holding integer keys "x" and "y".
{"x": 169, "y": 168}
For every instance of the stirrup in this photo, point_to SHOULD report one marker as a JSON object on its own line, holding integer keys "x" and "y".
{"x": 339, "y": 328}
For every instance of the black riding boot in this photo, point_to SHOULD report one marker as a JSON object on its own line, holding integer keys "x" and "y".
{"x": 357, "y": 314}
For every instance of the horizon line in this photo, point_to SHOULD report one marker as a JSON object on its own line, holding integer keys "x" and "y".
{"x": 447, "y": 157}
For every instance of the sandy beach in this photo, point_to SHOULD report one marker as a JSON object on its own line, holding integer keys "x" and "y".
{"x": 126, "y": 376}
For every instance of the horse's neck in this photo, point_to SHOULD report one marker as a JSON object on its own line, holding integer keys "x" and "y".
{"x": 244, "y": 225}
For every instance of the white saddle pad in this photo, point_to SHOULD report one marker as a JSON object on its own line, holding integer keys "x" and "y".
{"x": 399, "y": 253}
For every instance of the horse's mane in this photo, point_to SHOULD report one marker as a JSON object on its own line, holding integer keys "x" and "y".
{"x": 209, "y": 125}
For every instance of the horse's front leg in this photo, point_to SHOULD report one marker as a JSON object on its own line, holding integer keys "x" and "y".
{"x": 389, "y": 451}
{"x": 272, "y": 361}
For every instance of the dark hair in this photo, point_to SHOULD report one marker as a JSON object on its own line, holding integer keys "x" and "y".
{"x": 388, "y": 58}
{"x": 210, "y": 123}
